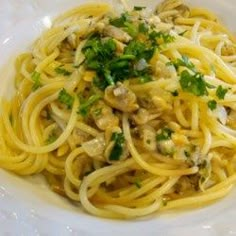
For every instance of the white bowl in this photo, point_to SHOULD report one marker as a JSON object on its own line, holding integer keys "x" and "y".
{"x": 28, "y": 207}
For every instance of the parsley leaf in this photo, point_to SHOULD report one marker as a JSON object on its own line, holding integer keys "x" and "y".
{"x": 100, "y": 83}
{"x": 51, "y": 139}
{"x": 35, "y": 76}
{"x": 221, "y": 92}
{"x": 117, "y": 150}
{"x": 145, "y": 79}
{"x": 212, "y": 104}
{"x": 194, "y": 84}
{"x": 160, "y": 38}
{"x": 125, "y": 22}
{"x": 184, "y": 61}
{"x": 138, "y": 8}
{"x": 85, "y": 106}
{"x": 66, "y": 98}
{"x": 165, "y": 134}
{"x": 143, "y": 28}
{"x": 110, "y": 67}
{"x": 98, "y": 56}
{"x": 120, "y": 21}
{"x": 139, "y": 50}
{"x": 137, "y": 183}
{"x": 62, "y": 71}
{"x": 98, "y": 52}
{"x": 131, "y": 29}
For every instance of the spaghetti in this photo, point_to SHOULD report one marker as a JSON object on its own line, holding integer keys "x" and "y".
{"x": 126, "y": 114}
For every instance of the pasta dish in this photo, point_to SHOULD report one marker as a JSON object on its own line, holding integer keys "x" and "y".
{"x": 126, "y": 113}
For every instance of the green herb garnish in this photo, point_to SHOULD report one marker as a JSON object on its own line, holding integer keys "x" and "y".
{"x": 51, "y": 139}
{"x": 35, "y": 76}
{"x": 221, "y": 92}
{"x": 165, "y": 134}
{"x": 98, "y": 52}
{"x": 185, "y": 62}
{"x": 117, "y": 150}
{"x": 143, "y": 28}
{"x": 139, "y": 50}
{"x": 158, "y": 38}
{"x": 126, "y": 24}
{"x": 212, "y": 104}
{"x": 66, "y": 98}
{"x": 138, "y": 8}
{"x": 111, "y": 68}
{"x": 145, "y": 79}
{"x": 62, "y": 71}
{"x": 137, "y": 183}
{"x": 193, "y": 83}
{"x": 121, "y": 21}
{"x": 85, "y": 106}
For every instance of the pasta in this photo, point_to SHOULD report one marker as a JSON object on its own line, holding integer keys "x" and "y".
{"x": 126, "y": 114}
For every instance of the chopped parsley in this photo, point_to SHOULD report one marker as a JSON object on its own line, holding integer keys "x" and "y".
{"x": 143, "y": 28}
{"x": 138, "y": 8}
{"x": 51, "y": 139}
{"x": 221, "y": 92}
{"x": 131, "y": 29}
{"x": 137, "y": 183}
{"x": 165, "y": 134}
{"x": 139, "y": 50}
{"x": 125, "y": 23}
{"x": 193, "y": 83}
{"x": 62, "y": 71}
{"x": 158, "y": 38}
{"x": 145, "y": 79}
{"x": 98, "y": 52}
{"x": 212, "y": 104}
{"x": 86, "y": 105}
{"x": 100, "y": 82}
{"x": 66, "y": 98}
{"x": 98, "y": 55}
{"x": 185, "y": 62}
{"x": 204, "y": 171}
{"x": 36, "y": 76}
{"x": 121, "y": 21}
{"x": 117, "y": 150}
{"x": 111, "y": 68}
